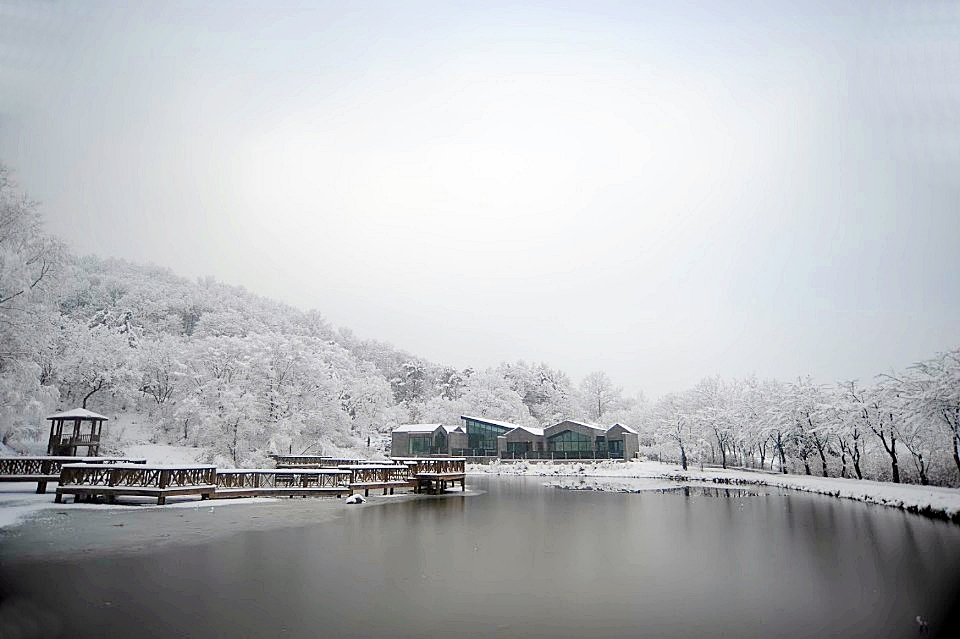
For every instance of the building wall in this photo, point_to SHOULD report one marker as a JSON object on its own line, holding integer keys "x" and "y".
{"x": 399, "y": 444}
{"x": 631, "y": 441}
{"x": 582, "y": 429}
{"x": 456, "y": 441}
{"x": 483, "y": 435}
{"x": 519, "y": 435}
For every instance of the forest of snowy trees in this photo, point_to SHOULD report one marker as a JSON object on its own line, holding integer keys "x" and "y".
{"x": 239, "y": 376}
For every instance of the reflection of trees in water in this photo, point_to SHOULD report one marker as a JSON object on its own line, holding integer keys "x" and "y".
{"x": 709, "y": 491}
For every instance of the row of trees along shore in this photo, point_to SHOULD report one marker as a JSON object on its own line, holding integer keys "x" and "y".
{"x": 239, "y": 376}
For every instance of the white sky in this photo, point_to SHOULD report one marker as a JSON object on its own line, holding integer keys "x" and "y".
{"x": 663, "y": 193}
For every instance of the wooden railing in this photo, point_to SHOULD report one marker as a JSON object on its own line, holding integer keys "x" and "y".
{"x": 419, "y": 465}
{"x": 256, "y": 478}
{"x": 46, "y": 468}
{"x": 83, "y": 438}
{"x": 111, "y": 480}
{"x": 378, "y": 473}
{"x": 312, "y": 461}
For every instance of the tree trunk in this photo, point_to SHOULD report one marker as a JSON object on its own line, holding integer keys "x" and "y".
{"x": 683, "y": 457}
{"x": 783, "y": 458}
{"x": 956, "y": 449}
{"x": 96, "y": 388}
{"x": 893, "y": 459}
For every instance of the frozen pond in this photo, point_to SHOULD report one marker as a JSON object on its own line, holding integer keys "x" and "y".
{"x": 516, "y": 560}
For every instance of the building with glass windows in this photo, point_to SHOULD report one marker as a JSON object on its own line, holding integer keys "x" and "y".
{"x": 482, "y": 434}
{"x": 413, "y": 440}
{"x": 520, "y": 442}
{"x": 481, "y": 437}
{"x": 569, "y": 440}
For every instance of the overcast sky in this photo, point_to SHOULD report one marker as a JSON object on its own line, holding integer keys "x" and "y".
{"x": 660, "y": 190}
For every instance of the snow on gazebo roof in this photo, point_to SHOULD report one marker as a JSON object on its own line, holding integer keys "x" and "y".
{"x": 80, "y": 413}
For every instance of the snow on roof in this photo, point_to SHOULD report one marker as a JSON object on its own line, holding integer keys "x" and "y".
{"x": 79, "y": 413}
{"x": 453, "y": 429}
{"x": 626, "y": 428}
{"x": 417, "y": 428}
{"x": 584, "y": 424}
{"x": 530, "y": 429}
{"x": 495, "y": 422}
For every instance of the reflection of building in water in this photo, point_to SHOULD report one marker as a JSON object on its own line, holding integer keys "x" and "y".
{"x": 481, "y": 437}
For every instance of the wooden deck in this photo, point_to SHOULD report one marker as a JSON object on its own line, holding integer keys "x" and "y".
{"x": 435, "y": 483}
{"x": 433, "y": 464}
{"x": 111, "y": 480}
{"x": 119, "y": 480}
{"x": 265, "y": 482}
{"x": 46, "y": 468}
{"x": 433, "y": 474}
{"x": 313, "y": 461}
{"x": 387, "y": 477}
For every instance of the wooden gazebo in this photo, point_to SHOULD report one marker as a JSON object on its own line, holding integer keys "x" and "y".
{"x": 67, "y": 443}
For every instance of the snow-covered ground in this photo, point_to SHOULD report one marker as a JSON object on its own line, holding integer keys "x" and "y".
{"x": 943, "y": 503}
{"x": 18, "y": 501}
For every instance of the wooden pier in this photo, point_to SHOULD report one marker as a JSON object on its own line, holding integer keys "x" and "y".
{"x": 314, "y": 461}
{"x": 386, "y": 476}
{"x": 123, "y": 480}
{"x": 433, "y": 474}
{"x": 47, "y": 468}
{"x": 109, "y": 480}
{"x": 265, "y": 482}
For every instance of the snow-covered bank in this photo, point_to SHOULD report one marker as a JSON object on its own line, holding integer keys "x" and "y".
{"x": 931, "y": 501}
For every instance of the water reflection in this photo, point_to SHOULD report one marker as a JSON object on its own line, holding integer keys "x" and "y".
{"x": 522, "y": 560}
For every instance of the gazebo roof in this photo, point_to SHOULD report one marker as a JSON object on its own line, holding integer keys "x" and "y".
{"x": 80, "y": 413}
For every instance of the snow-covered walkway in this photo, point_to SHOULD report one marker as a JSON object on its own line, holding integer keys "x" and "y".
{"x": 941, "y": 503}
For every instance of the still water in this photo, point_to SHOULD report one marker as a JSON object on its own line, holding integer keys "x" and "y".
{"x": 517, "y": 559}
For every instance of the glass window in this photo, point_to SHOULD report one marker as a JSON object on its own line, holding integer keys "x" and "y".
{"x": 569, "y": 441}
{"x": 518, "y": 448}
{"x": 420, "y": 444}
{"x": 440, "y": 442}
{"x": 482, "y": 437}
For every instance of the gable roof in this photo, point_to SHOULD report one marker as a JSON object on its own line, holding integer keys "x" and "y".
{"x": 626, "y": 428}
{"x": 495, "y": 422}
{"x": 417, "y": 428}
{"x": 583, "y": 424}
{"x": 530, "y": 429}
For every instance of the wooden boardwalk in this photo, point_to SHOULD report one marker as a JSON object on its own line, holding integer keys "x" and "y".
{"x": 109, "y": 481}
{"x": 43, "y": 469}
{"x": 122, "y": 480}
{"x": 378, "y": 476}
{"x": 265, "y": 482}
{"x": 313, "y": 461}
{"x": 433, "y": 474}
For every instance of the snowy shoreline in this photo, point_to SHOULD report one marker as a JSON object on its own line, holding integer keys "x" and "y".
{"x": 928, "y": 501}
